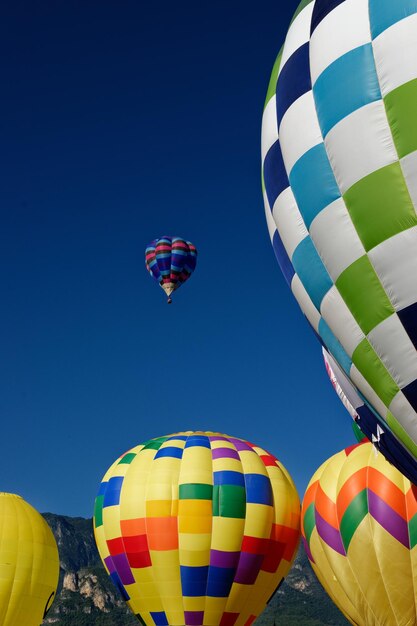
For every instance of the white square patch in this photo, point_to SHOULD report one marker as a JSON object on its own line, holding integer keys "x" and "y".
{"x": 395, "y": 349}
{"x": 290, "y": 224}
{"x": 395, "y": 262}
{"x": 346, "y": 27}
{"x": 335, "y": 238}
{"x": 269, "y": 126}
{"x": 360, "y": 144}
{"x": 299, "y": 130}
{"x": 405, "y": 415}
{"x": 395, "y": 53}
{"x": 341, "y": 321}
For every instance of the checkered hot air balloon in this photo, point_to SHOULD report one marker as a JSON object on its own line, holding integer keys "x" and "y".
{"x": 170, "y": 261}
{"x": 339, "y": 165}
{"x": 197, "y": 529}
{"x": 359, "y": 522}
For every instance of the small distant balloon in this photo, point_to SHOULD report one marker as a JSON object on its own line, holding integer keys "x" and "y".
{"x": 170, "y": 261}
{"x": 29, "y": 563}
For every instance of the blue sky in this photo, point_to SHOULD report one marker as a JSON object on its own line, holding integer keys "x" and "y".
{"x": 121, "y": 122}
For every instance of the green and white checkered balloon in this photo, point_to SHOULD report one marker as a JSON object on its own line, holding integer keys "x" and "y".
{"x": 339, "y": 165}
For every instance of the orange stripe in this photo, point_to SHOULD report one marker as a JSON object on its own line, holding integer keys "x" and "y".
{"x": 354, "y": 485}
{"x": 310, "y": 495}
{"x": 133, "y": 527}
{"x": 326, "y": 507}
{"x": 411, "y": 501}
{"x": 387, "y": 491}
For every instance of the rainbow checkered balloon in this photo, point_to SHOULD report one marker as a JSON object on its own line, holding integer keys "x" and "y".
{"x": 359, "y": 527}
{"x": 170, "y": 261}
{"x": 339, "y": 167}
{"x": 197, "y": 529}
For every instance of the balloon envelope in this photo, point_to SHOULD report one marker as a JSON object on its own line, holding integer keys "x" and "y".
{"x": 339, "y": 164}
{"x": 359, "y": 519}
{"x": 170, "y": 261}
{"x": 29, "y": 563}
{"x": 197, "y": 528}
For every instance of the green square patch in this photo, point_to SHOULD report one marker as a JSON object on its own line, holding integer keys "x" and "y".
{"x": 400, "y": 105}
{"x": 374, "y": 371}
{"x": 154, "y": 444}
{"x": 229, "y": 501}
{"x": 309, "y": 522}
{"x": 380, "y": 205}
{"x": 412, "y": 531}
{"x": 127, "y": 459}
{"x": 98, "y": 511}
{"x": 196, "y": 491}
{"x": 363, "y": 293}
{"x": 353, "y": 516}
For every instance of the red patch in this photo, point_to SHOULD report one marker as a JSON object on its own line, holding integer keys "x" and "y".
{"x": 255, "y": 545}
{"x": 274, "y": 556}
{"x": 116, "y": 546}
{"x": 229, "y": 619}
{"x": 269, "y": 460}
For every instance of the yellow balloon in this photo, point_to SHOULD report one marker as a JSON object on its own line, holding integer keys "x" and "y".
{"x": 359, "y": 522}
{"x": 29, "y": 563}
{"x": 197, "y": 528}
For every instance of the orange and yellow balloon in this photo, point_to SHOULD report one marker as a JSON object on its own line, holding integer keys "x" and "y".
{"x": 197, "y": 529}
{"x": 359, "y": 526}
{"x": 29, "y": 563}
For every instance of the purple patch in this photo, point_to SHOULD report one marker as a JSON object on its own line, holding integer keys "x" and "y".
{"x": 308, "y": 551}
{"x": 225, "y": 453}
{"x": 109, "y": 564}
{"x": 220, "y": 558}
{"x": 241, "y": 445}
{"x": 248, "y": 568}
{"x": 123, "y": 569}
{"x": 329, "y": 534}
{"x": 393, "y": 523}
{"x": 194, "y": 618}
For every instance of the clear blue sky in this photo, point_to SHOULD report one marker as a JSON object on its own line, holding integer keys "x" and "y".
{"x": 121, "y": 122}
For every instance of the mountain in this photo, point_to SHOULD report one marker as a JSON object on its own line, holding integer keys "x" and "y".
{"x": 87, "y": 597}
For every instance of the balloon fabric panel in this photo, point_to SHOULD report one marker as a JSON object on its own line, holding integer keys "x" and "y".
{"x": 339, "y": 156}
{"x": 197, "y": 528}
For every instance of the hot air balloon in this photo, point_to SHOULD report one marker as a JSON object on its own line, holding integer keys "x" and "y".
{"x": 359, "y": 519}
{"x": 29, "y": 563}
{"x": 339, "y": 165}
{"x": 197, "y": 528}
{"x": 170, "y": 261}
